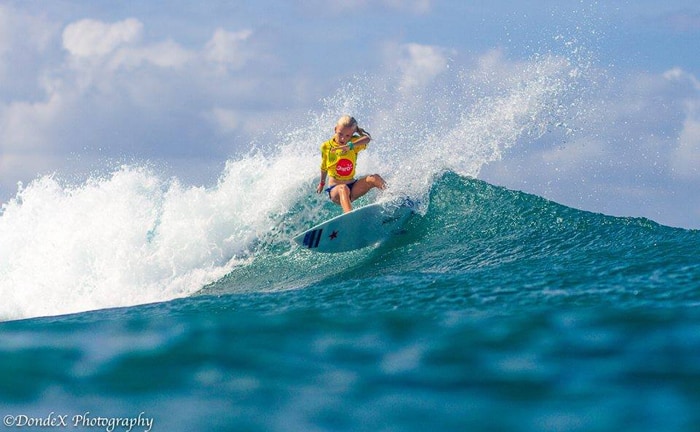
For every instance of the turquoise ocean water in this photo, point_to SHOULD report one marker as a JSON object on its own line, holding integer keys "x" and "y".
{"x": 497, "y": 311}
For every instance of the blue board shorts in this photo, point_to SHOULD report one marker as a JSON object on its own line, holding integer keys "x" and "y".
{"x": 349, "y": 185}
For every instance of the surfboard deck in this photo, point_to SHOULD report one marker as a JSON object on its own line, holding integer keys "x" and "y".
{"x": 359, "y": 228}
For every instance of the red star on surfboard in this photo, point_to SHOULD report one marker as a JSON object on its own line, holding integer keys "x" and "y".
{"x": 333, "y": 235}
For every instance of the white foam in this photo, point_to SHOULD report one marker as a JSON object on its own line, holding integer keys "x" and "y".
{"x": 131, "y": 237}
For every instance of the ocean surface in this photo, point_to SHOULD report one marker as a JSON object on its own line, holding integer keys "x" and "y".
{"x": 496, "y": 311}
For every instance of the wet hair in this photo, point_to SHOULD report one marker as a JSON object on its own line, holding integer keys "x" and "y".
{"x": 348, "y": 120}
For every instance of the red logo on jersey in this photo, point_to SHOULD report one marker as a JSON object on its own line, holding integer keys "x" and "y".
{"x": 344, "y": 167}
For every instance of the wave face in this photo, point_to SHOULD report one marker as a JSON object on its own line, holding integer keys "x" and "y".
{"x": 488, "y": 242}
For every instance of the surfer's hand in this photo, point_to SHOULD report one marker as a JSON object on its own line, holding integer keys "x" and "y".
{"x": 319, "y": 189}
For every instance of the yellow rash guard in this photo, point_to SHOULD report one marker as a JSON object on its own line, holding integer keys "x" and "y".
{"x": 338, "y": 163}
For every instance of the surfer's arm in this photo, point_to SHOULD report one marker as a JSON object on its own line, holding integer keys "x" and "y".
{"x": 359, "y": 142}
{"x": 324, "y": 167}
{"x": 322, "y": 183}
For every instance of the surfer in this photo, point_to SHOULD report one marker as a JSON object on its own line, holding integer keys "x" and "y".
{"x": 338, "y": 159}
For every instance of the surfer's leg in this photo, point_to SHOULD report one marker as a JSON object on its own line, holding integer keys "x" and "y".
{"x": 340, "y": 194}
{"x": 365, "y": 184}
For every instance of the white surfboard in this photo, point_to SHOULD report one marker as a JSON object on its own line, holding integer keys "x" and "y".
{"x": 365, "y": 226}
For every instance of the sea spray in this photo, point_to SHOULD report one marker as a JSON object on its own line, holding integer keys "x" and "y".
{"x": 460, "y": 120}
{"x": 131, "y": 237}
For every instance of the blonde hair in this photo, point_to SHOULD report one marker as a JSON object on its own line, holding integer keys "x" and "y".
{"x": 348, "y": 120}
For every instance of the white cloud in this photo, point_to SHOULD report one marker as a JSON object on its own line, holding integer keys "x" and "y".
{"x": 24, "y": 124}
{"x": 119, "y": 45}
{"x": 17, "y": 28}
{"x": 415, "y": 6}
{"x": 25, "y": 50}
{"x": 420, "y": 64}
{"x": 227, "y": 48}
{"x": 685, "y": 157}
{"x": 166, "y": 54}
{"x": 679, "y": 75}
{"x": 226, "y": 120}
{"x": 110, "y": 93}
{"x": 88, "y": 37}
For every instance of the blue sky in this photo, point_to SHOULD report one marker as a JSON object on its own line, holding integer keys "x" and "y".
{"x": 85, "y": 86}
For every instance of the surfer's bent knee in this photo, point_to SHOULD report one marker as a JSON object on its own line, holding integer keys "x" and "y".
{"x": 376, "y": 180}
